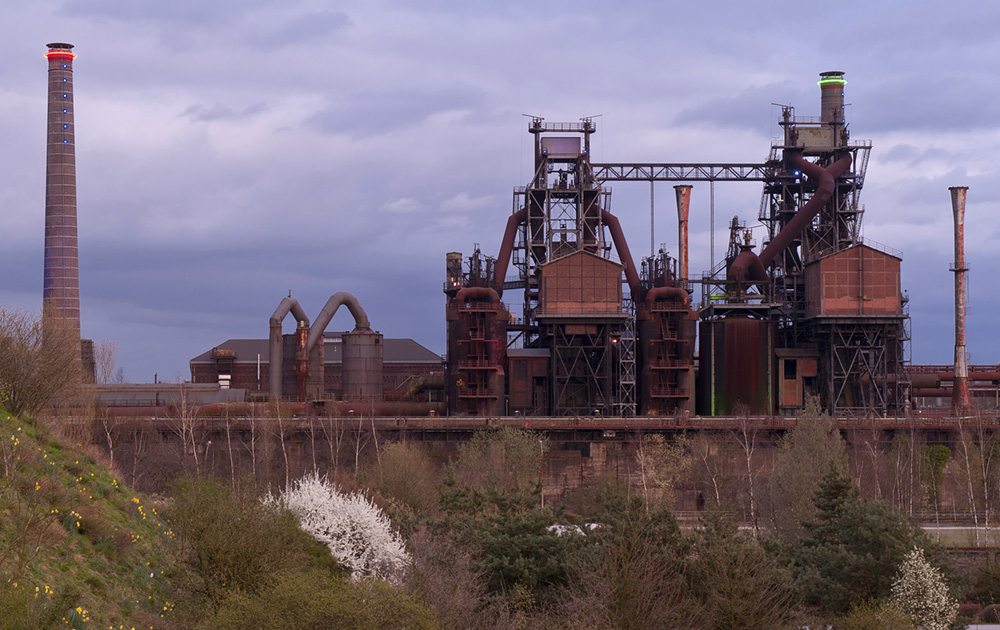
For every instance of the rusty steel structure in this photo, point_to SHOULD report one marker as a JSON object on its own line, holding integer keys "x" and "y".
{"x": 61, "y": 292}
{"x": 578, "y": 346}
{"x": 296, "y": 361}
{"x": 816, "y": 311}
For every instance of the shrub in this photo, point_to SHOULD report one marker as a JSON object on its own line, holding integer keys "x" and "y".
{"x": 920, "y": 592}
{"x": 23, "y": 608}
{"x": 318, "y": 602}
{"x": 875, "y": 617}
{"x": 232, "y": 540}
{"x": 990, "y": 614}
{"x": 357, "y": 533}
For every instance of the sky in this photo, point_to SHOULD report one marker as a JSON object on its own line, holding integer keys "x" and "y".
{"x": 231, "y": 151}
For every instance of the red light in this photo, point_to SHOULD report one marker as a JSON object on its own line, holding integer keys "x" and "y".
{"x": 60, "y": 54}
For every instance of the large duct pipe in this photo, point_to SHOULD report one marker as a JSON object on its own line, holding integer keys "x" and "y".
{"x": 683, "y": 192}
{"x": 617, "y": 236}
{"x": 477, "y": 293}
{"x": 338, "y": 299}
{"x": 748, "y": 266}
{"x": 621, "y": 246}
{"x": 287, "y": 305}
{"x": 506, "y": 247}
{"x": 960, "y": 400}
{"x": 61, "y": 284}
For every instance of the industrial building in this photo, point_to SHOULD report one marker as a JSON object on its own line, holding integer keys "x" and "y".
{"x": 816, "y": 311}
{"x": 245, "y": 364}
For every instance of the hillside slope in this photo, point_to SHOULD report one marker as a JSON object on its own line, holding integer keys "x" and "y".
{"x": 77, "y": 548}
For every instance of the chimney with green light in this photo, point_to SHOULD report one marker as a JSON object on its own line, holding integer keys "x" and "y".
{"x": 832, "y": 97}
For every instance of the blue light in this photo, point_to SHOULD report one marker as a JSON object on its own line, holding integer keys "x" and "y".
{"x": 65, "y": 79}
{"x": 65, "y": 65}
{"x": 65, "y": 126}
{"x": 65, "y": 111}
{"x": 65, "y": 140}
{"x": 65, "y": 95}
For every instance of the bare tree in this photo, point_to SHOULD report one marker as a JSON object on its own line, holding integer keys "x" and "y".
{"x": 333, "y": 431}
{"x": 746, "y": 436}
{"x": 804, "y": 454}
{"x": 662, "y": 466}
{"x": 34, "y": 371}
{"x": 106, "y": 353}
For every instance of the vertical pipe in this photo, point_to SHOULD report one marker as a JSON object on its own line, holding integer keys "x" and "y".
{"x": 683, "y": 192}
{"x": 61, "y": 292}
{"x": 711, "y": 224}
{"x": 960, "y": 402}
{"x": 652, "y": 237}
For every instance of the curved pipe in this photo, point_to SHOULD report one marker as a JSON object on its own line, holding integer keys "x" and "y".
{"x": 748, "y": 266}
{"x": 510, "y": 233}
{"x": 668, "y": 293}
{"x": 477, "y": 293}
{"x": 421, "y": 383}
{"x": 287, "y": 305}
{"x": 631, "y": 275}
{"x": 506, "y": 247}
{"x": 338, "y": 299}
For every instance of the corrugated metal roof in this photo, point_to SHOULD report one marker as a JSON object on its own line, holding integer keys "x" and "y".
{"x": 393, "y": 351}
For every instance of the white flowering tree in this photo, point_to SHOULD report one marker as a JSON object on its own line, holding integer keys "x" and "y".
{"x": 920, "y": 592}
{"x": 358, "y": 534}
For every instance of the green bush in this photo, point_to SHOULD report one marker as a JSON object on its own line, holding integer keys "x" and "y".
{"x": 875, "y": 617}
{"x": 318, "y": 601}
{"x": 232, "y": 540}
{"x": 24, "y": 608}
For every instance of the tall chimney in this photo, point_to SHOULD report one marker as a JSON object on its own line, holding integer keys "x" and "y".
{"x": 960, "y": 402}
{"x": 831, "y": 86}
{"x": 683, "y": 192}
{"x": 61, "y": 295}
{"x": 832, "y": 96}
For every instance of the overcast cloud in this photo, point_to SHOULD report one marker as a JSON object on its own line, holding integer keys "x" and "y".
{"x": 231, "y": 151}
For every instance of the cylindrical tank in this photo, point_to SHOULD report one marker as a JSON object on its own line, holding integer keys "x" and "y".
{"x": 362, "y": 365}
{"x": 832, "y": 96}
{"x": 736, "y": 363}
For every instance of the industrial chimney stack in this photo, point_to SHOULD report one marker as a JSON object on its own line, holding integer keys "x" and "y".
{"x": 960, "y": 392}
{"x": 61, "y": 296}
{"x": 683, "y": 193}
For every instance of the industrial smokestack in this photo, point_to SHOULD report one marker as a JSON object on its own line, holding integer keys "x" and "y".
{"x": 683, "y": 192}
{"x": 61, "y": 295}
{"x": 960, "y": 392}
{"x": 832, "y": 97}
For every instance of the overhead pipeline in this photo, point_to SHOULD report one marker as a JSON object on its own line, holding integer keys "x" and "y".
{"x": 748, "y": 266}
{"x": 287, "y": 305}
{"x": 621, "y": 246}
{"x": 338, "y": 299}
{"x": 506, "y": 248}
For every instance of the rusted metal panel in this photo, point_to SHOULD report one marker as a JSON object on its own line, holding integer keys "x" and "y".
{"x": 581, "y": 284}
{"x": 560, "y": 147}
{"x": 528, "y": 383}
{"x": 860, "y": 280}
{"x": 736, "y": 362}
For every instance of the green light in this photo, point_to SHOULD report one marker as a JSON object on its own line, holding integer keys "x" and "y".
{"x": 832, "y": 81}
